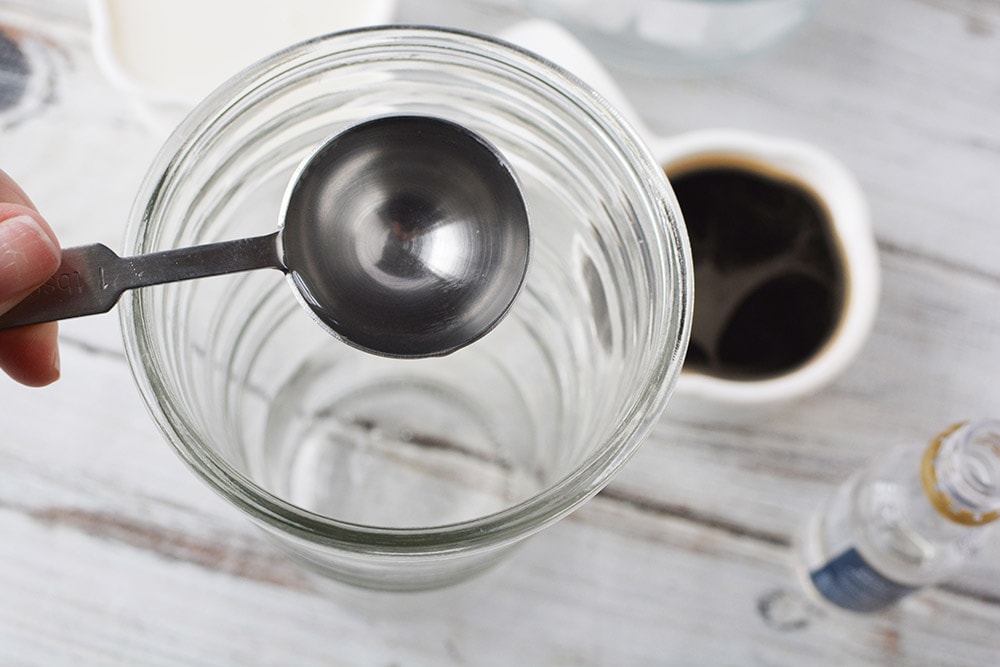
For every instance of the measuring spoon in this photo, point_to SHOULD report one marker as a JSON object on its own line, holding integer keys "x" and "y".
{"x": 404, "y": 236}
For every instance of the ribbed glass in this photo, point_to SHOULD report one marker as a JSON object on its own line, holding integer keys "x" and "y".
{"x": 406, "y": 474}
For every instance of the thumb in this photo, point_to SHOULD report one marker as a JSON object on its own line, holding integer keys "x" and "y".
{"x": 29, "y": 253}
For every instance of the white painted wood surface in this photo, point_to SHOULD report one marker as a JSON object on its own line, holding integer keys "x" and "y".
{"x": 111, "y": 553}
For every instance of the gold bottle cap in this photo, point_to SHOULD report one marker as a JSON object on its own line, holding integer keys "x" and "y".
{"x": 942, "y": 502}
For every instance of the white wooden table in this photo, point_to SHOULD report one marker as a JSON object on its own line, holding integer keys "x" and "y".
{"x": 111, "y": 552}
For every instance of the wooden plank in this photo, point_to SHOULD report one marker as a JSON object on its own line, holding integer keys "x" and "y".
{"x": 112, "y": 552}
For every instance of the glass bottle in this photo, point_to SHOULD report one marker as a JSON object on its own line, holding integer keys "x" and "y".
{"x": 910, "y": 519}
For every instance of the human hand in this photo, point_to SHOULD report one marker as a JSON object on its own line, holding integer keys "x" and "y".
{"x": 29, "y": 255}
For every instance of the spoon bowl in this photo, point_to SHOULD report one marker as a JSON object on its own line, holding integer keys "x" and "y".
{"x": 406, "y": 236}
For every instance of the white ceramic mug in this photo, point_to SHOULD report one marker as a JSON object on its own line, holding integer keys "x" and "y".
{"x": 701, "y": 394}
{"x": 704, "y": 396}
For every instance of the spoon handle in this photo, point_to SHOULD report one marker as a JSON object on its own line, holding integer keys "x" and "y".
{"x": 91, "y": 278}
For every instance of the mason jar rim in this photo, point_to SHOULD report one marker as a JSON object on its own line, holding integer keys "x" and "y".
{"x": 492, "y": 530}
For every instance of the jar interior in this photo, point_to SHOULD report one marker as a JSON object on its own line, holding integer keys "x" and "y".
{"x": 246, "y": 375}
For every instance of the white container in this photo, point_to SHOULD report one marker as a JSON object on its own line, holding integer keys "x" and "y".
{"x": 167, "y": 56}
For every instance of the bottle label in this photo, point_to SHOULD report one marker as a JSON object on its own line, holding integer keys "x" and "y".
{"x": 849, "y": 581}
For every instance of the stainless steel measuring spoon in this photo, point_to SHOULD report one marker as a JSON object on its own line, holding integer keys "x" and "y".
{"x": 405, "y": 236}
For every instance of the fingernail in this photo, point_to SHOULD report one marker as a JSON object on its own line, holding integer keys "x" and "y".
{"x": 28, "y": 256}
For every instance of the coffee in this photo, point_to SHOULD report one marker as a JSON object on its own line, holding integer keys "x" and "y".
{"x": 769, "y": 278}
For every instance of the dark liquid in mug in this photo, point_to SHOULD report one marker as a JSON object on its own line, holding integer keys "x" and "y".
{"x": 769, "y": 281}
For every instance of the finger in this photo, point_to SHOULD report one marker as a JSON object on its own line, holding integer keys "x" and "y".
{"x": 30, "y": 355}
{"x": 29, "y": 253}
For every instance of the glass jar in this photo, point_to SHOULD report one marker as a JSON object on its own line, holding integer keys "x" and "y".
{"x": 410, "y": 474}
{"x": 678, "y": 36}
